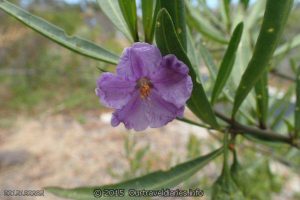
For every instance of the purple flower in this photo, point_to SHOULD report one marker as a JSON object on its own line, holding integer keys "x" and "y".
{"x": 148, "y": 89}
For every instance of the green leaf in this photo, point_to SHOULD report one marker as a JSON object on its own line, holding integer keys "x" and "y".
{"x": 193, "y": 147}
{"x": 148, "y": 19}
{"x": 128, "y": 8}
{"x": 245, "y": 51}
{"x": 255, "y": 179}
{"x": 203, "y": 26}
{"x": 56, "y": 34}
{"x": 212, "y": 68}
{"x": 297, "y": 107}
{"x": 256, "y": 12}
{"x": 261, "y": 181}
{"x": 225, "y": 188}
{"x": 227, "y": 62}
{"x": 295, "y": 42}
{"x": 176, "y": 10}
{"x": 168, "y": 43}
{"x": 275, "y": 18}
{"x": 293, "y": 65}
{"x": 245, "y": 3}
{"x": 153, "y": 181}
{"x": 289, "y": 125}
{"x": 262, "y": 99}
{"x": 238, "y": 175}
{"x": 225, "y": 12}
{"x": 209, "y": 61}
{"x": 209, "y": 14}
{"x": 243, "y": 56}
{"x": 225, "y": 154}
{"x": 193, "y": 54}
{"x": 112, "y": 10}
{"x": 280, "y": 107}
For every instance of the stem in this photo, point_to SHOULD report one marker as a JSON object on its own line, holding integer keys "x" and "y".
{"x": 237, "y": 128}
{"x": 259, "y": 133}
{"x": 282, "y": 76}
{"x": 226, "y": 172}
{"x": 193, "y": 123}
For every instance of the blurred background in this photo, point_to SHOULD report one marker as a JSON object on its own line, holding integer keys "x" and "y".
{"x": 54, "y": 131}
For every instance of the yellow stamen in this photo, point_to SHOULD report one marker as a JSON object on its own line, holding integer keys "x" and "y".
{"x": 144, "y": 86}
{"x": 145, "y": 91}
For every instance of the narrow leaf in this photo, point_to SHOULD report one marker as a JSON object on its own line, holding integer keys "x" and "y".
{"x": 176, "y": 10}
{"x": 225, "y": 154}
{"x": 295, "y": 42}
{"x": 279, "y": 99}
{"x": 153, "y": 181}
{"x": 193, "y": 54}
{"x": 212, "y": 68}
{"x": 280, "y": 107}
{"x": 225, "y": 187}
{"x": 237, "y": 174}
{"x": 128, "y": 8}
{"x": 112, "y": 10}
{"x": 203, "y": 26}
{"x": 289, "y": 126}
{"x": 208, "y": 61}
{"x": 148, "y": 19}
{"x": 255, "y": 13}
{"x": 225, "y": 12}
{"x": 245, "y": 3}
{"x": 227, "y": 62}
{"x": 209, "y": 14}
{"x": 244, "y": 54}
{"x": 262, "y": 100}
{"x": 297, "y": 108}
{"x": 168, "y": 43}
{"x": 56, "y": 34}
{"x": 275, "y": 18}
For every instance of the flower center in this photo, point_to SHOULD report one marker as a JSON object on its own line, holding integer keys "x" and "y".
{"x": 144, "y": 86}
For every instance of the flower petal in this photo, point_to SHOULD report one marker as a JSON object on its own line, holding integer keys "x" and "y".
{"x": 133, "y": 114}
{"x": 140, "y": 113}
{"x": 114, "y": 91}
{"x": 139, "y": 60}
{"x": 160, "y": 112}
{"x": 172, "y": 81}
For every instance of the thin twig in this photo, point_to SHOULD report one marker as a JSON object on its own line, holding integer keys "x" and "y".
{"x": 264, "y": 134}
{"x": 194, "y": 123}
{"x": 282, "y": 76}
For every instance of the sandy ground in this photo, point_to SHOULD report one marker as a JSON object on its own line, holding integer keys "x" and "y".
{"x": 57, "y": 150}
